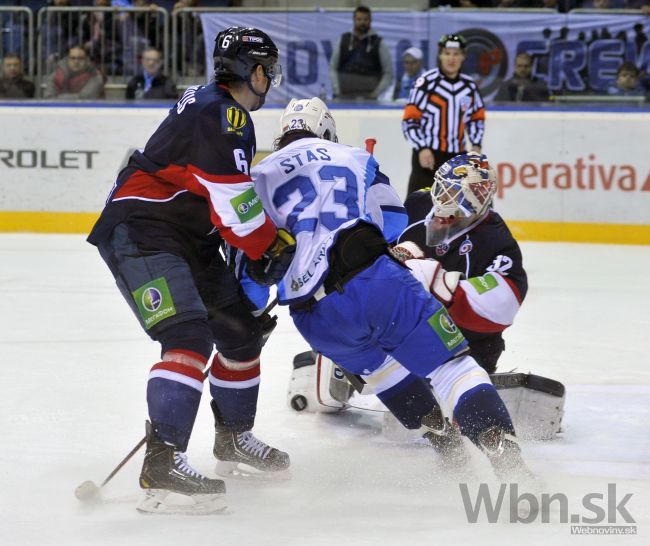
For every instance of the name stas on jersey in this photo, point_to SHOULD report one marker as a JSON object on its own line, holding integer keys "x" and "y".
{"x": 324, "y": 198}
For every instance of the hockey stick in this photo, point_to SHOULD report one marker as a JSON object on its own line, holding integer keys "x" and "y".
{"x": 89, "y": 490}
{"x": 370, "y": 145}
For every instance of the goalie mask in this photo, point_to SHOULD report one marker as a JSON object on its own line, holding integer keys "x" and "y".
{"x": 462, "y": 192}
{"x": 309, "y": 115}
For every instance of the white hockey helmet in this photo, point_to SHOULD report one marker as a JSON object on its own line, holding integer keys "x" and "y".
{"x": 463, "y": 187}
{"x": 311, "y": 115}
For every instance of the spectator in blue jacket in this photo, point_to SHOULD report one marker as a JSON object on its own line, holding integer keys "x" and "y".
{"x": 413, "y": 69}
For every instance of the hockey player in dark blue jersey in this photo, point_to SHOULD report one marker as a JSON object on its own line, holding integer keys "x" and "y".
{"x": 170, "y": 210}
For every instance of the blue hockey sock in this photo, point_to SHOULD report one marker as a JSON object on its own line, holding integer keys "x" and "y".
{"x": 173, "y": 396}
{"x": 479, "y": 409}
{"x": 409, "y": 400}
{"x": 234, "y": 391}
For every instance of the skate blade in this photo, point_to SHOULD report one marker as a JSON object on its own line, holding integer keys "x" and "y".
{"x": 160, "y": 501}
{"x": 242, "y": 471}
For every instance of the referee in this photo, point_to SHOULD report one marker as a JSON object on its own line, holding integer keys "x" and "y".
{"x": 444, "y": 106}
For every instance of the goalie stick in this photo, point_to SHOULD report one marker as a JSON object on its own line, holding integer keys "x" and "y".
{"x": 89, "y": 490}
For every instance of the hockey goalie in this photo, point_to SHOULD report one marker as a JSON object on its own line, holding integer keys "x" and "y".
{"x": 462, "y": 251}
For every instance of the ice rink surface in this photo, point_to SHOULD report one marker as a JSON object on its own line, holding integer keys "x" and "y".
{"x": 74, "y": 370}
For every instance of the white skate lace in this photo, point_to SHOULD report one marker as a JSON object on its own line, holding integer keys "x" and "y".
{"x": 256, "y": 447}
{"x": 181, "y": 461}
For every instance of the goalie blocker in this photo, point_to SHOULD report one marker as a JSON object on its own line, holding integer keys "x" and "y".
{"x": 318, "y": 385}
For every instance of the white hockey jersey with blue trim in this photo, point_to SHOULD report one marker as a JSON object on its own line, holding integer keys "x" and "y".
{"x": 314, "y": 188}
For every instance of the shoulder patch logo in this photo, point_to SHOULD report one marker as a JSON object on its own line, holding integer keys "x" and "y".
{"x": 236, "y": 119}
{"x": 466, "y": 247}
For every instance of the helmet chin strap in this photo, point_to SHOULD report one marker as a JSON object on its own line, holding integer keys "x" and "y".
{"x": 261, "y": 96}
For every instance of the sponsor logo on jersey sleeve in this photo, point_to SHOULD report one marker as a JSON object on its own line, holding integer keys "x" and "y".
{"x": 447, "y": 331}
{"x": 235, "y": 121}
{"x": 247, "y": 205}
{"x": 154, "y": 301}
{"x": 484, "y": 283}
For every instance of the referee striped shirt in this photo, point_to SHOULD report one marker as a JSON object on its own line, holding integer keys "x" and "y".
{"x": 441, "y": 112}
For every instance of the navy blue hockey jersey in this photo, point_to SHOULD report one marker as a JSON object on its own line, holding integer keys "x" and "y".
{"x": 191, "y": 186}
{"x": 489, "y": 257}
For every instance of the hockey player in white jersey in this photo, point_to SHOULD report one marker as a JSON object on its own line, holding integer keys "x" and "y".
{"x": 352, "y": 301}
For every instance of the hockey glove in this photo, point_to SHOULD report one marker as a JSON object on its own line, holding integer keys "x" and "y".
{"x": 268, "y": 324}
{"x": 442, "y": 284}
{"x": 408, "y": 250}
{"x": 275, "y": 261}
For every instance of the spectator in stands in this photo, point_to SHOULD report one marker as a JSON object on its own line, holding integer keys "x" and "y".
{"x": 190, "y": 47}
{"x": 643, "y": 5}
{"x": 104, "y": 33}
{"x": 627, "y": 81}
{"x": 522, "y": 87}
{"x": 463, "y": 3}
{"x": 152, "y": 83}
{"x": 58, "y": 32}
{"x": 13, "y": 84}
{"x": 75, "y": 78}
{"x": 361, "y": 66}
{"x": 412, "y": 60}
{"x": 595, "y": 4}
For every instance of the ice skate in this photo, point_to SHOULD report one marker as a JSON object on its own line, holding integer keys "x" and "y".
{"x": 446, "y": 440}
{"x": 504, "y": 454}
{"x": 242, "y": 455}
{"x": 172, "y": 486}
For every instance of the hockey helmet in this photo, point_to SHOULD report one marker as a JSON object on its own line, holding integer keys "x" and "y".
{"x": 238, "y": 50}
{"x": 453, "y": 41}
{"x": 309, "y": 115}
{"x": 462, "y": 192}
{"x": 463, "y": 186}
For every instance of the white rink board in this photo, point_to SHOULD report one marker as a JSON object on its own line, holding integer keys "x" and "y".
{"x": 590, "y": 167}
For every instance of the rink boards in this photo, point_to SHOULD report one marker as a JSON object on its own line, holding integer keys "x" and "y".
{"x": 578, "y": 175}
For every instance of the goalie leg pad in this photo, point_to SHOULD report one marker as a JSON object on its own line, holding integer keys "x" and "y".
{"x": 535, "y": 403}
{"x": 317, "y": 385}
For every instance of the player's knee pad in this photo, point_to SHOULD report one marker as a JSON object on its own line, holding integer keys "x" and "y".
{"x": 456, "y": 377}
{"x": 317, "y": 385}
{"x": 194, "y": 336}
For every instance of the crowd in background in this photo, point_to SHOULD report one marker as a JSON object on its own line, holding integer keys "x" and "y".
{"x": 80, "y": 51}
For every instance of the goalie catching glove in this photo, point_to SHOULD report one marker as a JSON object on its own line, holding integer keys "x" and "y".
{"x": 275, "y": 261}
